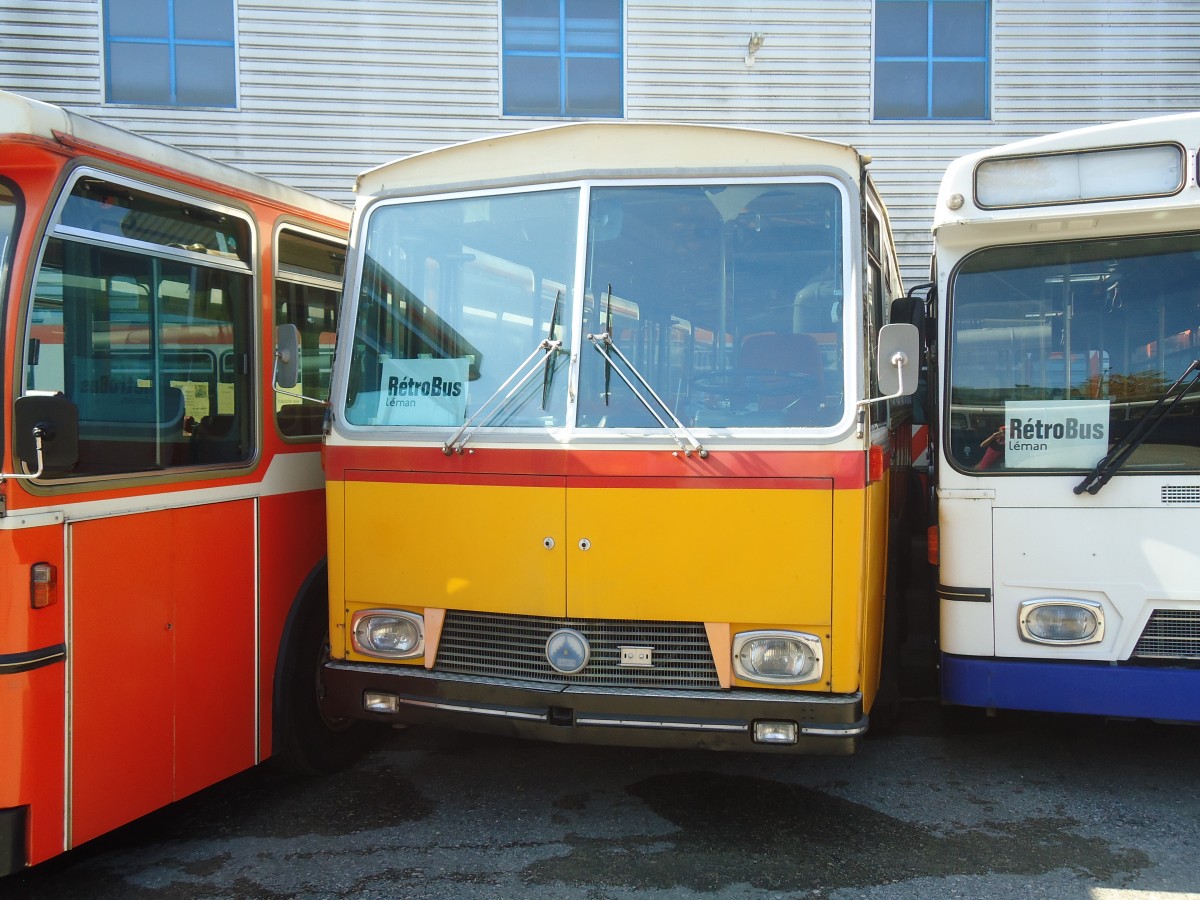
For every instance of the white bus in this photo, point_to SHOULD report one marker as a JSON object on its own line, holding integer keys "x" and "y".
{"x": 1067, "y": 456}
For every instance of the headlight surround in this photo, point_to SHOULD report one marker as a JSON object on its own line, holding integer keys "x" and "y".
{"x": 1061, "y": 621}
{"x": 388, "y": 633}
{"x": 778, "y": 657}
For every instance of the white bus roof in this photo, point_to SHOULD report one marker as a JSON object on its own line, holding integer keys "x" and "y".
{"x": 607, "y": 149}
{"x": 958, "y": 200}
{"x": 22, "y": 116}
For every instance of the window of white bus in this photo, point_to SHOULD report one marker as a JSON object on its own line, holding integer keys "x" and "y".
{"x": 1057, "y": 349}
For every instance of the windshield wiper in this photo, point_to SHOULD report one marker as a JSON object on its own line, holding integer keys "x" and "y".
{"x": 605, "y": 346}
{"x": 550, "y": 348}
{"x": 1123, "y": 449}
{"x": 548, "y": 374}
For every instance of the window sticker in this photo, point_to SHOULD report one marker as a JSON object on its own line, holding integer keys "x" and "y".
{"x": 423, "y": 392}
{"x": 1067, "y": 434}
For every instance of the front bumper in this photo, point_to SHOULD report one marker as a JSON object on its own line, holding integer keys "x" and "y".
{"x": 1165, "y": 693}
{"x": 713, "y": 720}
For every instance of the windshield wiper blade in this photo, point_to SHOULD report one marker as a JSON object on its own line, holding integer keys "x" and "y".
{"x": 605, "y": 346}
{"x": 548, "y": 374}
{"x": 550, "y": 348}
{"x": 1123, "y": 449}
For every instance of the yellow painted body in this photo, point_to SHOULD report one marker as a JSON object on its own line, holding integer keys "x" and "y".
{"x": 810, "y": 558}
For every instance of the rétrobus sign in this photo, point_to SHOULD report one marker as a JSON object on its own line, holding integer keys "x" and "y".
{"x": 1066, "y": 434}
{"x": 423, "y": 392}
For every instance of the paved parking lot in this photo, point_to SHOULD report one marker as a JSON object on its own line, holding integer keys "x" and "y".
{"x": 945, "y": 806}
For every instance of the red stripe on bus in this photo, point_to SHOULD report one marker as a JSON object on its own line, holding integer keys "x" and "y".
{"x": 597, "y": 468}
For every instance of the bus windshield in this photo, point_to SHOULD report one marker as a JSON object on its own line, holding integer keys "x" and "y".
{"x": 717, "y": 305}
{"x": 1058, "y": 350}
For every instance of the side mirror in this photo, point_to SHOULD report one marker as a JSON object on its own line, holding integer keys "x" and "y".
{"x": 898, "y": 360}
{"x": 46, "y": 428}
{"x": 287, "y": 356}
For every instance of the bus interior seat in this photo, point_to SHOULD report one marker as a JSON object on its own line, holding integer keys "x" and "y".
{"x": 301, "y": 419}
{"x": 123, "y": 431}
{"x": 788, "y": 354}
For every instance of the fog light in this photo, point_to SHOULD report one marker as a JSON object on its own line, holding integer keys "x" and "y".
{"x": 777, "y": 657}
{"x": 380, "y": 703}
{"x": 388, "y": 633}
{"x": 775, "y": 732}
{"x": 1061, "y": 621}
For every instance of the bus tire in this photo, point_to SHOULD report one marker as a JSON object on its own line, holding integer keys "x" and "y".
{"x": 306, "y": 740}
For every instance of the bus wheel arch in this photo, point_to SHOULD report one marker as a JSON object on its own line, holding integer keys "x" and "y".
{"x": 304, "y": 739}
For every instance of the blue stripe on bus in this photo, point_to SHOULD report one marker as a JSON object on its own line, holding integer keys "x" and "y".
{"x": 1102, "y": 689}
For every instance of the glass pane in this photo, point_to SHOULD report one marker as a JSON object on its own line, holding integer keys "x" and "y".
{"x": 593, "y": 87}
{"x": 531, "y": 85}
{"x": 457, "y": 297}
{"x": 959, "y": 90}
{"x": 901, "y": 90}
{"x": 307, "y": 289}
{"x": 115, "y": 210}
{"x": 8, "y": 225}
{"x": 901, "y": 28}
{"x": 204, "y": 20}
{"x": 531, "y": 25}
{"x": 139, "y": 73}
{"x": 204, "y": 76}
{"x": 155, "y": 354}
{"x": 137, "y": 18}
{"x": 1059, "y": 349}
{"x": 726, "y": 300}
{"x": 960, "y": 28}
{"x": 593, "y": 26}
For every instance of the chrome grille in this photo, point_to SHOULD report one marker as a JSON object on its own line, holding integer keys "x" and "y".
{"x": 1170, "y": 634}
{"x": 503, "y": 646}
{"x": 1180, "y": 493}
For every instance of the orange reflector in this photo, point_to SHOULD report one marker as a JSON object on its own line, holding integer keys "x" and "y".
{"x": 875, "y": 464}
{"x": 42, "y": 580}
{"x": 931, "y": 544}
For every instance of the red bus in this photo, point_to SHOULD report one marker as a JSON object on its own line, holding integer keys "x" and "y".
{"x": 162, "y": 534}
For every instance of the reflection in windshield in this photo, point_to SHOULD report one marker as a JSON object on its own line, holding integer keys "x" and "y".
{"x": 725, "y": 299}
{"x": 1059, "y": 350}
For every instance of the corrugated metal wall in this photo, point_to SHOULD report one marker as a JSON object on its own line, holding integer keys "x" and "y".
{"x": 327, "y": 89}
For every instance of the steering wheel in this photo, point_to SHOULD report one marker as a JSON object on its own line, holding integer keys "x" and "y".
{"x": 741, "y": 388}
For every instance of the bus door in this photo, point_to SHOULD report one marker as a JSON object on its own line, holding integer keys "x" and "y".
{"x": 141, "y": 319}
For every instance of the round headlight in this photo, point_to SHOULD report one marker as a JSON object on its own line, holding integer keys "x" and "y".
{"x": 1061, "y": 621}
{"x": 388, "y": 633}
{"x": 777, "y": 657}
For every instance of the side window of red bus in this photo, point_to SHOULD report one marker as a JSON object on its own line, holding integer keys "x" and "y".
{"x": 140, "y": 317}
{"x": 308, "y": 286}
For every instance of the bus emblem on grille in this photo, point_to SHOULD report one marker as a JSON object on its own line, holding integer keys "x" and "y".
{"x": 567, "y": 651}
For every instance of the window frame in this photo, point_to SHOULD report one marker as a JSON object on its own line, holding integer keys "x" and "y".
{"x": 930, "y": 60}
{"x": 171, "y": 42}
{"x": 562, "y": 55}
{"x": 246, "y": 267}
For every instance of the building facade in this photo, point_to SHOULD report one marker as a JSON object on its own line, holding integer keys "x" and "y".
{"x": 311, "y": 92}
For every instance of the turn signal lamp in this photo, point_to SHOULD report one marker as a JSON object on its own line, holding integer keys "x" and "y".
{"x": 777, "y": 657}
{"x": 43, "y": 578}
{"x": 1061, "y": 621}
{"x": 388, "y": 633}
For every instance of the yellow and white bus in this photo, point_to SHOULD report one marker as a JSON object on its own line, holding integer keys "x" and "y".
{"x": 611, "y": 450}
{"x": 1068, "y": 452}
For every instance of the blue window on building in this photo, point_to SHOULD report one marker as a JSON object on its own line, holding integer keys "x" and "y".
{"x": 931, "y": 59}
{"x": 563, "y": 58}
{"x": 170, "y": 52}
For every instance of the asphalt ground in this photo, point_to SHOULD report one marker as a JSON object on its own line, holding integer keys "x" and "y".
{"x": 949, "y": 804}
